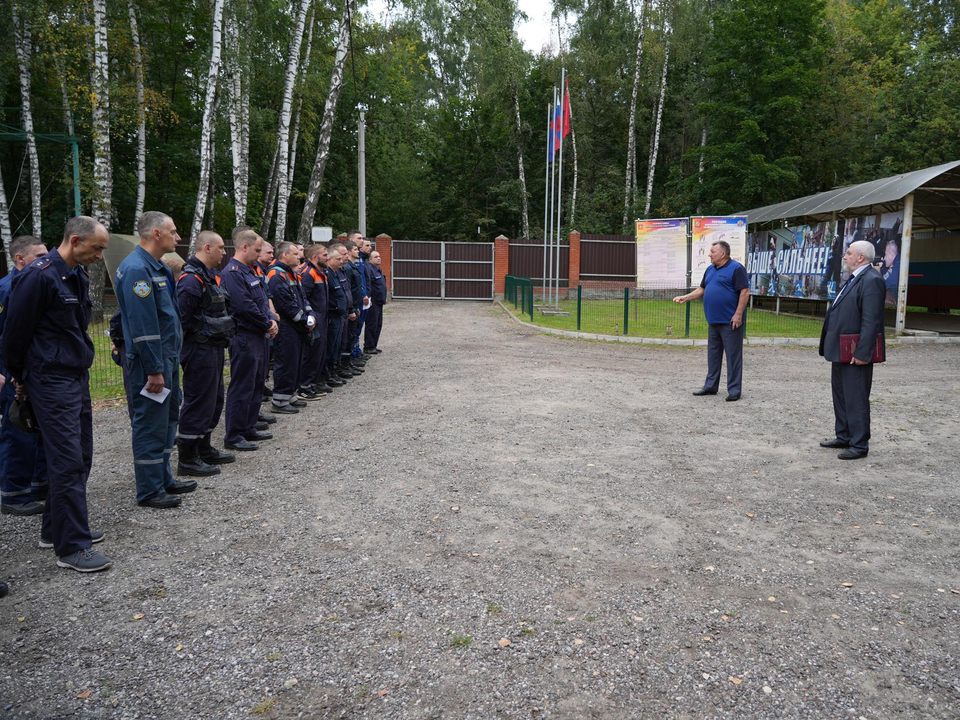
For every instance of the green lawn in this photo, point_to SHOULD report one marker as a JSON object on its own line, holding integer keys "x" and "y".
{"x": 664, "y": 318}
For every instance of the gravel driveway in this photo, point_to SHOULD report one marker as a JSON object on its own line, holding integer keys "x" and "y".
{"x": 494, "y": 523}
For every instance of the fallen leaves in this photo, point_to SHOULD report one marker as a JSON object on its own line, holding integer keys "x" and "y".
{"x": 85, "y": 694}
{"x": 504, "y": 642}
{"x": 848, "y": 585}
{"x": 139, "y": 616}
{"x": 734, "y": 680}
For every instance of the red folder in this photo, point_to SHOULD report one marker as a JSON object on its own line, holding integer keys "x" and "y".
{"x": 848, "y": 346}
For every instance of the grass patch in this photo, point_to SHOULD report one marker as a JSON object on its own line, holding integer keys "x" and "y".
{"x": 494, "y": 609}
{"x": 461, "y": 641}
{"x": 263, "y": 707}
{"x": 663, "y": 318}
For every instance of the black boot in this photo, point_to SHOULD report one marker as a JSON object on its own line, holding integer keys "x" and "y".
{"x": 189, "y": 462}
{"x": 211, "y": 455}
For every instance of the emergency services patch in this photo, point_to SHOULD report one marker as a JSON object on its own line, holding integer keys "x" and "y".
{"x": 141, "y": 288}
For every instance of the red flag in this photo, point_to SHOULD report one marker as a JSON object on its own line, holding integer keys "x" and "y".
{"x": 566, "y": 109}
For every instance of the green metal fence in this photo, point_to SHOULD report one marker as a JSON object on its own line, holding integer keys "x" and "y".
{"x": 519, "y": 292}
{"x": 651, "y": 312}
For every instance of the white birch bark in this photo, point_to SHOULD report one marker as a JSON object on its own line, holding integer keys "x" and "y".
{"x": 523, "y": 178}
{"x": 703, "y": 134}
{"x": 295, "y": 135}
{"x": 211, "y": 193}
{"x": 6, "y": 230}
{"x": 23, "y": 41}
{"x": 326, "y": 128}
{"x": 102, "y": 206}
{"x": 283, "y": 132}
{"x": 656, "y": 136}
{"x": 209, "y": 118}
{"x": 141, "y": 118}
{"x": 238, "y": 114}
{"x": 64, "y": 94}
{"x": 629, "y": 176}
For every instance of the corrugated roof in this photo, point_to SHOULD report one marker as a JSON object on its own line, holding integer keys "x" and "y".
{"x": 874, "y": 193}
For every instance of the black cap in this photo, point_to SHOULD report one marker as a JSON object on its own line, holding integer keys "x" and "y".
{"x": 23, "y": 418}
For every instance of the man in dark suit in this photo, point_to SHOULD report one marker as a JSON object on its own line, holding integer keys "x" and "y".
{"x": 857, "y": 310}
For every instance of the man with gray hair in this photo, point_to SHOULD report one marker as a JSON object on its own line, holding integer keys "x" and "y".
{"x": 852, "y": 340}
{"x": 153, "y": 335}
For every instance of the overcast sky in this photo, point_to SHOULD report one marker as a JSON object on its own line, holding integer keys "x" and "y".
{"x": 535, "y": 33}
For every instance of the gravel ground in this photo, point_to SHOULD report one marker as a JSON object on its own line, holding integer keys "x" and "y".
{"x": 497, "y": 523}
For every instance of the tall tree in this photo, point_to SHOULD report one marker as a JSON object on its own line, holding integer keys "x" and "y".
{"x": 141, "y": 117}
{"x": 102, "y": 191}
{"x": 238, "y": 110}
{"x": 209, "y": 118}
{"x": 23, "y": 42}
{"x": 655, "y": 137}
{"x": 326, "y": 127}
{"x": 295, "y": 135}
{"x": 630, "y": 174}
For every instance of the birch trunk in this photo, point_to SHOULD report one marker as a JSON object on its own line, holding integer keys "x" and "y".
{"x": 208, "y": 121}
{"x": 326, "y": 128}
{"x": 211, "y": 193}
{"x": 656, "y": 131}
{"x": 523, "y": 179}
{"x": 23, "y": 41}
{"x": 703, "y": 134}
{"x": 271, "y": 196}
{"x": 64, "y": 93}
{"x": 283, "y": 133}
{"x": 238, "y": 113}
{"x": 141, "y": 118}
{"x": 629, "y": 176}
{"x": 102, "y": 202}
{"x": 295, "y": 136}
{"x": 6, "y": 231}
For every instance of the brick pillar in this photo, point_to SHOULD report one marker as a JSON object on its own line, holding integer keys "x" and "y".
{"x": 574, "y": 262}
{"x": 385, "y": 247}
{"x": 501, "y": 264}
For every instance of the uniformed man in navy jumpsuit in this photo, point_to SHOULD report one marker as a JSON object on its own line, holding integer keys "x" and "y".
{"x": 48, "y": 352}
{"x": 351, "y": 270}
{"x": 296, "y": 323}
{"x": 153, "y": 337}
{"x": 314, "y": 283}
{"x": 208, "y": 328}
{"x": 249, "y": 349}
{"x": 377, "y": 287}
{"x": 336, "y": 314}
{"x": 23, "y": 467}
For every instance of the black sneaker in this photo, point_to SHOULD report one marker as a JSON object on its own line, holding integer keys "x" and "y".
{"x": 308, "y": 395}
{"x": 295, "y": 403}
{"x": 85, "y": 561}
{"x": 284, "y": 409}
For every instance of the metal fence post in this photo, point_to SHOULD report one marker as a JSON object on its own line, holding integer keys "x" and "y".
{"x": 530, "y": 299}
{"x": 686, "y": 305}
{"x": 579, "y": 305}
{"x": 626, "y": 310}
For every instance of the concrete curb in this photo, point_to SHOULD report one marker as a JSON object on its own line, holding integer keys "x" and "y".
{"x": 698, "y": 342}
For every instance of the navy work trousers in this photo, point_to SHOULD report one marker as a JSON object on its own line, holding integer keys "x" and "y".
{"x": 202, "y": 365}
{"x": 249, "y": 353}
{"x": 334, "y": 337}
{"x": 286, "y": 364}
{"x": 62, "y": 406}
{"x": 723, "y": 339}
{"x": 314, "y": 357}
{"x": 361, "y": 320}
{"x": 346, "y": 345}
{"x": 372, "y": 327}
{"x": 851, "y": 385}
{"x": 154, "y": 428}
{"x": 23, "y": 466}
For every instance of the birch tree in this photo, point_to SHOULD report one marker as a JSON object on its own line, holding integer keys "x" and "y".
{"x": 141, "y": 118}
{"x": 283, "y": 132}
{"x": 102, "y": 191}
{"x": 23, "y": 42}
{"x": 238, "y": 110}
{"x": 270, "y": 197}
{"x": 209, "y": 117}
{"x": 295, "y": 136}
{"x": 6, "y": 231}
{"x": 326, "y": 127}
{"x": 630, "y": 175}
{"x": 656, "y": 129}
{"x": 523, "y": 179}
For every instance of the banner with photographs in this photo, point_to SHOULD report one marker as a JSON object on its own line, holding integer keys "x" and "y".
{"x": 806, "y": 261}
{"x": 708, "y": 230}
{"x": 662, "y": 253}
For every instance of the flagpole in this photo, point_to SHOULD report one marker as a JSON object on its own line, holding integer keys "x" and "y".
{"x": 546, "y": 210}
{"x": 563, "y": 77}
{"x": 553, "y": 193}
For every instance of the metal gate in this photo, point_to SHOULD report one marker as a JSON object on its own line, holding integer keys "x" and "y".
{"x": 442, "y": 270}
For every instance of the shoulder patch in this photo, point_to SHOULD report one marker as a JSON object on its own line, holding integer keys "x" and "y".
{"x": 141, "y": 288}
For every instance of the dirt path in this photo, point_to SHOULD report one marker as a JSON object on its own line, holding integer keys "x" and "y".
{"x": 645, "y": 552}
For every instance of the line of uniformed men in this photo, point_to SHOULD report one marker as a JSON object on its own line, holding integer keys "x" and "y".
{"x": 308, "y": 308}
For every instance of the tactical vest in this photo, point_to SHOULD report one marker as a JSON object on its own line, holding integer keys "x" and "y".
{"x": 214, "y": 325}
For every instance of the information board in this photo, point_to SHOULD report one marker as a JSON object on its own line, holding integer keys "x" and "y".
{"x": 708, "y": 230}
{"x": 662, "y": 253}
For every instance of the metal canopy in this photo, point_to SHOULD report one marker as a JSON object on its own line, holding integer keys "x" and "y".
{"x": 937, "y": 205}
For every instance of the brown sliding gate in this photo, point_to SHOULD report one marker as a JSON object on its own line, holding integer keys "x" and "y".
{"x": 442, "y": 270}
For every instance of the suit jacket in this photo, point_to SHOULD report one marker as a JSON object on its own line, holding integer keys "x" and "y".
{"x": 858, "y": 311}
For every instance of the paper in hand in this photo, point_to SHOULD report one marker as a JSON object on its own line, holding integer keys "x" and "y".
{"x": 156, "y": 397}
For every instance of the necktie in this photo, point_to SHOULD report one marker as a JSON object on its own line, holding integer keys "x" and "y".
{"x": 844, "y": 288}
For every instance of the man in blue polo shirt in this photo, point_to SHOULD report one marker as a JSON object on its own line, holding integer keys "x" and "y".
{"x": 725, "y": 290}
